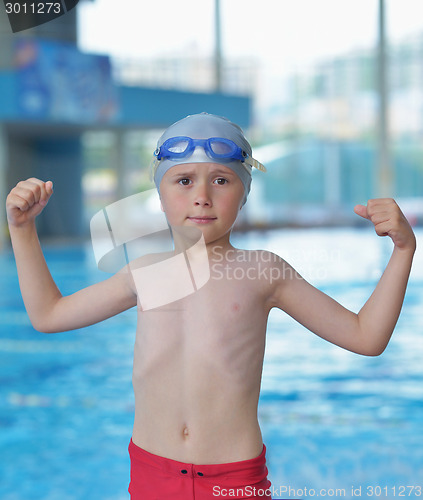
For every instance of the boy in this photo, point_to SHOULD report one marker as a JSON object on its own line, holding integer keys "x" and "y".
{"x": 198, "y": 360}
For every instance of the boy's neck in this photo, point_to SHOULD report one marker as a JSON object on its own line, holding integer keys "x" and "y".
{"x": 183, "y": 240}
{"x": 219, "y": 249}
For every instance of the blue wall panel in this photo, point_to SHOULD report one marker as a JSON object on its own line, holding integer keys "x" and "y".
{"x": 159, "y": 108}
{"x": 7, "y": 95}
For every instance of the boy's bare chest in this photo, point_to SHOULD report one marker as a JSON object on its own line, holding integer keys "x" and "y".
{"x": 223, "y": 313}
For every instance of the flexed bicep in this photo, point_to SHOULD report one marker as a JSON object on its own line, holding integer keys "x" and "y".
{"x": 315, "y": 310}
{"x": 90, "y": 305}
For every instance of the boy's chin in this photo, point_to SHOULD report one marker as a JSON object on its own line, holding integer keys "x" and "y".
{"x": 186, "y": 236}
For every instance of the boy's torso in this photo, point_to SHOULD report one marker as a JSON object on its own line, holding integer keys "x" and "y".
{"x": 197, "y": 369}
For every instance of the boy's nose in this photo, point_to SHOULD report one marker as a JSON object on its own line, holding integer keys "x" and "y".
{"x": 202, "y": 196}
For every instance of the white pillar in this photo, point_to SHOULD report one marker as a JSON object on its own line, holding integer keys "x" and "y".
{"x": 385, "y": 177}
{"x": 3, "y": 184}
{"x": 217, "y": 47}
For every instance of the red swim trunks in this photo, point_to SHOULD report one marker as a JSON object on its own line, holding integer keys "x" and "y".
{"x": 159, "y": 478}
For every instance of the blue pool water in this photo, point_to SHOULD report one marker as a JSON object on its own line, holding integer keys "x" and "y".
{"x": 331, "y": 420}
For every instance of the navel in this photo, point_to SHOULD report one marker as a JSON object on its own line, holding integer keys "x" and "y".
{"x": 185, "y": 432}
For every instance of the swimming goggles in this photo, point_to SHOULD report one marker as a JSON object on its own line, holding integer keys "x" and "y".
{"x": 216, "y": 148}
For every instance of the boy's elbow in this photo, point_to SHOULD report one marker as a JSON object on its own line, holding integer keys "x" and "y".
{"x": 43, "y": 329}
{"x": 43, "y": 326}
{"x": 374, "y": 342}
{"x": 374, "y": 354}
{"x": 375, "y": 350}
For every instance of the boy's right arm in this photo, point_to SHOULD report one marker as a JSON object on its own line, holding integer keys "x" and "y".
{"x": 47, "y": 309}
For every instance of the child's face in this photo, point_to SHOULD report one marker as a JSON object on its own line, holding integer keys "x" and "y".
{"x": 207, "y": 196}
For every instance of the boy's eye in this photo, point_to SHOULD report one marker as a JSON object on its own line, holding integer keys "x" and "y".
{"x": 221, "y": 181}
{"x": 184, "y": 182}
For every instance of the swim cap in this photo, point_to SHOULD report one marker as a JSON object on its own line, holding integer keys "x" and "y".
{"x": 205, "y": 126}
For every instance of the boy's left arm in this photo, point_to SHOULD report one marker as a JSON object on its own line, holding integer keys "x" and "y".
{"x": 380, "y": 313}
{"x": 369, "y": 331}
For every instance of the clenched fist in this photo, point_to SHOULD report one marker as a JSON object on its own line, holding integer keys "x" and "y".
{"x": 27, "y": 200}
{"x": 388, "y": 220}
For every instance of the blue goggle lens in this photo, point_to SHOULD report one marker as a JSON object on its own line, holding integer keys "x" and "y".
{"x": 215, "y": 147}
{"x": 175, "y": 145}
{"x": 225, "y": 149}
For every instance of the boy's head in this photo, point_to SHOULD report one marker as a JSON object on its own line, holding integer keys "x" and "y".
{"x": 205, "y": 138}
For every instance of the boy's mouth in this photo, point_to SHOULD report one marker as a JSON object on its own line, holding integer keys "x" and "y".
{"x": 202, "y": 219}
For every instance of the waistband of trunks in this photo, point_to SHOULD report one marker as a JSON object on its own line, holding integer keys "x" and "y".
{"x": 248, "y": 470}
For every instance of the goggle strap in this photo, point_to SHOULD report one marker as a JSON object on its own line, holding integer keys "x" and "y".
{"x": 255, "y": 164}
{"x": 153, "y": 167}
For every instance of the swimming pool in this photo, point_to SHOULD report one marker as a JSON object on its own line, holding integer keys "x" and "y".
{"x": 331, "y": 420}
